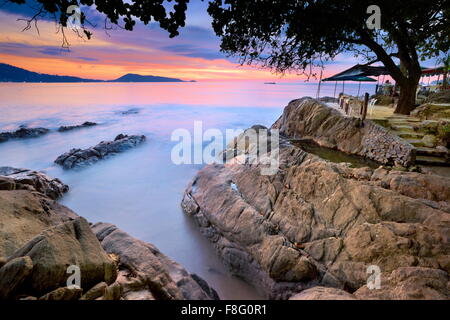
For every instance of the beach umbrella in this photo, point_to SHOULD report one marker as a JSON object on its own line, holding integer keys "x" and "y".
{"x": 344, "y": 78}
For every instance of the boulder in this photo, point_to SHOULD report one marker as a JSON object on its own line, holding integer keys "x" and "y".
{"x": 57, "y": 248}
{"x": 64, "y": 294}
{"x": 81, "y": 157}
{"x": 12, "y": 274}
{"x": 83, "y": 125}
{"x": 144, "y": 272}
{"x": 24, "y": 215}
{"x": 95, "y": 292}
{"x": 16, "y": 179}
{"x": 319, "y": 223}
{"x": 113, "y": 292}
{"x": 23, "y": 133}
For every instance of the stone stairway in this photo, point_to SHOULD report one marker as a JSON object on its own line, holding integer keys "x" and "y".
{"x": 403, "y": 126}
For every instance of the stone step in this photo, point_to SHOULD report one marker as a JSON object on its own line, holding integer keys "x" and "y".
{"x": 425, "y": 151}
{"x": 415, "y": 142}
{"x": 404, "y": 122}
{"x": 432, "y": 161}
{"x": 402, "y": 128}
{"x": 410, "y": 135}
{"x": 403, "y": 117}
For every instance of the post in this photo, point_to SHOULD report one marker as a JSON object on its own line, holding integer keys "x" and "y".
{"x": 318, "y": 88}
{"x": 366, "y": 103}
{"x": 335, "y": 85}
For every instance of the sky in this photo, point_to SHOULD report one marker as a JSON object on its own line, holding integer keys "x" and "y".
{"x": 147, "y": 50}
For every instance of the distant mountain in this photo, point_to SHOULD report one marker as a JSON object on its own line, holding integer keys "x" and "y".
{"x": 9, "y": 73}
{"x": 131, "y": 77}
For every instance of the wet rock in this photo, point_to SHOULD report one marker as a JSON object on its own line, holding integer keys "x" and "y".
{"x": 129, "y": 111}
{"x": 63, "y": 294}
{"x": 12, "y": 274}
{"x": 69, "y": 243}
{"x": 17, "y": 179}
{"x": 147, "y": 273}
{"x": 23, "y": 133}
{"x": 323, "y": 293}
{"x": 83, "y": 125}
{"x": 326, "y": 228}
{"x": 81, "y": 157}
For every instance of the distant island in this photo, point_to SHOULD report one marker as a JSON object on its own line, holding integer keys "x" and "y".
{"x": 9, "y": 73}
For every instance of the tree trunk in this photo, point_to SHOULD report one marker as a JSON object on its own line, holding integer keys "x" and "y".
{"x": 407, "y": 100}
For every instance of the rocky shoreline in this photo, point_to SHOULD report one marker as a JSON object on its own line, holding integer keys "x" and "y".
{"x": 40, "y": 239}
{"x": 319, "y": 225}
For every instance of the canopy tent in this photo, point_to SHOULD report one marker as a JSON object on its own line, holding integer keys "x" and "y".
{"x": 358, "y": 73}
{"x": 344, "y": 78}
{"x": 361, "y": 70}
{"x": 433, "y": 71}
{"x": 361, "y": 73}
{"x": 430, "y": 72}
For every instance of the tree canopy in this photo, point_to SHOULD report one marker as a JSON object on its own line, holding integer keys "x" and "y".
{"x": 294, "y": 35}
{"x": 117, "y": 12}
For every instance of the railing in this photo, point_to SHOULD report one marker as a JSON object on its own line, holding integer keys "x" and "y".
{"x": 344, "y": 104}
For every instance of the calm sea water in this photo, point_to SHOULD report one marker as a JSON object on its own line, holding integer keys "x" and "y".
{"x": 140, "y": 190}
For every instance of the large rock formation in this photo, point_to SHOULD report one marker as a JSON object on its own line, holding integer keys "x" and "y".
{"x": 40, "y": 239}
{"x": 24, "y": 179}
{"x": 146, "y": 273}
{"x": 309, "y": 119}
{"x": 318, "y": 223}
{"x": 56, "y": 248}
{"x": 81, "y": 157}
{"x": 23, "y": 133}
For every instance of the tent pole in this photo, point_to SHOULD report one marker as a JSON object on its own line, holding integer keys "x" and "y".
{"x": 343, "y": 86}
{"x": 335, "y": 85}
{"x": 378, "y": 84}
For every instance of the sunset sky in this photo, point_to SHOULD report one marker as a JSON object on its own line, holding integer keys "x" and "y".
{"x": 194, "y": 55}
